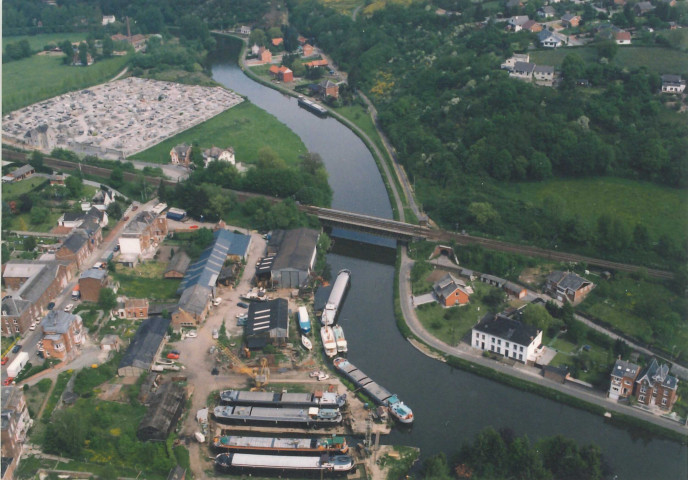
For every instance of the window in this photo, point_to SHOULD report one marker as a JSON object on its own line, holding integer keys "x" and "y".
{"x": 520, "y": 356}
{"x": 140, "y": 314}
{"x": 643, "y": 389}
{"x": 521, "y": 348}
{"x": 664, "y": 401}
{"x": 499, "y": 349}
{"x": 507, "y": 344}
{"x": 499, "y": 342}
{"x": 641, "y": 398}
{"x": 666, "y": 393}
{"x": 493, "y": 339}
{"x": 477, "y": 343}
{"x": 483, "y": 336}
{"x": 506, "y": 353}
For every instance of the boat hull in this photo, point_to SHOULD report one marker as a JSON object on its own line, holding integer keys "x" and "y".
{"x": 295, "y": 446}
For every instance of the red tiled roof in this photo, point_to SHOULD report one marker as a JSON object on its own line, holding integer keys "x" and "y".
{"x": 316, "y": 63}
{"x": 277, "y": 41}
{"x": 274, "y": 69}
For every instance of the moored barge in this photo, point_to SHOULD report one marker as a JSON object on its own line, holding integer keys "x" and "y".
{"x": 303, "y": 417}
{"x": 253, "y": 462}
{"x": 334, "y": 302}
{"x": 334, "y": 444}
{"x": 283, "y": 399}
{"x": 312, "y": 106}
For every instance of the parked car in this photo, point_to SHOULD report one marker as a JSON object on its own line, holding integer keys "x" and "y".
{"x": 215, "y": 371}
{"x": 173, "y": 356}
{"x": 191, "y": 334}
{"x": 32, "y": 327}
{"x": 116, "y": 249}
{"x": 5, "y": 359}
{"x": 242, "y": 304}
{"x": 51, "y": 305}
{"x": 216, "y": 334}
{"x": 68, "y": 307}
{"x": 16, "y": 348}
{"x": 8, "y": 381}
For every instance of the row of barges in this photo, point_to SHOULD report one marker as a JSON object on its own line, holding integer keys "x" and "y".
{"x": 283, "y": 399}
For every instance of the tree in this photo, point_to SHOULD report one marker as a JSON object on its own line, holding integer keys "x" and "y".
{"x": 68, "y": 49}
{"x": 6, "y": 254}
{"x": 114, "y": 210}
{"x": 75, "y": 186}
{"x": 537, "y": 316}
{"x": 117, "y": 177}
{"x": 606, "y": 49}
{"x": 29, "y": 243}
{"x": 107, "y": 300}
{"x": 39, "y": 215}
{"x": 108, "y": 46}
{"x": 36, "y": 160}
{"x": 66, "y": 433}
{"x": 494, "y": 299}
{"x": 83, "y": 53}
{"x": 483, "y": 213}
{"x": 258, "y": 37}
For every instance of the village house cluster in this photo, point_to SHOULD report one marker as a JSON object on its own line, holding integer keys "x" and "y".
{"x": 116, "y": 119}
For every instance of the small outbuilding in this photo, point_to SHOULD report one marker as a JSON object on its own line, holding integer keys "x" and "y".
{"x": 163, "y": 414}
{"x": 144, "y": 347}
{"x": 268, "y": 323}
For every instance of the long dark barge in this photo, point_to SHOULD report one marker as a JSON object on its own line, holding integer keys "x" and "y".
{"x": 378, "y": 393}
{"x": 312, "y": 106}
{"x": 283, "y": 399}
{"x": 303, "y": 417}
{"x": 282, "y": 463}
{"x": 238, "y": 443}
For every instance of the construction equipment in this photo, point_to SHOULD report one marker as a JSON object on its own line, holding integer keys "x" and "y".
{"x": 259, "y": 374}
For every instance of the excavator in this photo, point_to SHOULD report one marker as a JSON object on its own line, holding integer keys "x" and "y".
{"x": 260, "y": 374}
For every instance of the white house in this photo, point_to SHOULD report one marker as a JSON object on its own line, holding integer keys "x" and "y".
{"x": 516, "y": 22}
{"x": 673, "y": 84}
{"x": 107, "y": 19}
{"x": 523, "y": 70}
{"x": 509, "y": 63}
{"x": 543, "y": 74}
{"x": 245, "y": 30}
{"x": 508, "y": 337}
{"x": 219, "y": 155}
{"x": 550, "y": 39}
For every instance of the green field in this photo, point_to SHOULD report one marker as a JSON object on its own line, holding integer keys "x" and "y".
{"x": 40, "y": 77}
{"x": 661, "y": 209}
{"x": 37, "y": 42}
{"x": 656, "y": 59}
{"x": 245, "y": 127}
{"x": 11, "y": 191}
{"x": 145, "y": 281}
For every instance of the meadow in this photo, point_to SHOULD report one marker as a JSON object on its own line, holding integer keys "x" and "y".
{"x": 655, "y": 59}
{"x": 40, "y": 77}
{"x": 245, "y": 127}
{"x": 660, "y": 209}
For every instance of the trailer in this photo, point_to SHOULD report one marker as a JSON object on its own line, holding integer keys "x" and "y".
{"x": 17, "y": 364}
{"x": 176, "y": 214}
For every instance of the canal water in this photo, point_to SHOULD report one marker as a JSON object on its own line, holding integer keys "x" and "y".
{"x": 450, "y": 406}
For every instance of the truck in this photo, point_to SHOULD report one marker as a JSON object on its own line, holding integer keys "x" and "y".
{"x": 176, "y": 214}
{"x": 76, "y": 293}
{"x": 17, "y": 364}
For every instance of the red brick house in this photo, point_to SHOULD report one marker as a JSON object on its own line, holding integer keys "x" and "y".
{"x": 265, "y": 55}
{"x": 62, "y": 334}
{"x": 274, "y": 71}
{"x": 450, "y": 291}
{"x": 15, "y": 424}
{"x": 285, "y": 74}
{"x": 567, "y": 286}
{"x": 655, "y": 387}
{"x": 134, "y": 308}
{"x": 532, "y": 26}
{"x": 91, "y": 282}
{"x": 328, "y": 89}
{"x": 75, "y": 248}
{"x": 570, "y": 20}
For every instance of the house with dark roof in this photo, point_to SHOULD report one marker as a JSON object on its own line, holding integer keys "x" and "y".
{"x": 25, "y": 171}
{"x": 163, "y": 413}
{"x": 514, "y": 290}
{"x": 655, "y": 387}
{"x": 567, "y": 286}
{"x": 570, "y": 20}
{"x": 623, "y": 377}
{"x": 327, "y": 88}
{"x": 550, "y": 39}
{"x": 268, "y": 323}
{"x": 641, "y": 8}
{"x": 532, "y": 26}
{"x": 508, "y": 337}
{"x": 492, "y": 280}
{"x": 543, "y": 74}
{"x": 144, "y": 347}
{"x": 673, "y": 84}
{"x": 31, "y": 286}
{"x": 451, "y": 291}
{"x": 294, "y": 260}
{"x": 178, "y": 265}
{"x": 141, "y": 237}
{"x": 181, "y": 155}
{"x": 76, "y": 248}
{"x": 523, "y": 70}
{"x": 547, "y": 11}
{"x": 62, "y": 334}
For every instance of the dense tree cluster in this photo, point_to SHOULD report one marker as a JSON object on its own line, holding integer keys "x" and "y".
{"x": 461, "y": 127}
{"x": 16, "y": 51}
{"x": 502, "y": 455}
{"x": 36, "y": 16}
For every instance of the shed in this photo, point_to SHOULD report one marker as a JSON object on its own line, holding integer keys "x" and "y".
{"x": 268, "y": 323}
{"x": 295, "y": 258}
{"x": 163, "y": 413}
{"x": 178, "y": 265}
{"x": 144, "y": 347}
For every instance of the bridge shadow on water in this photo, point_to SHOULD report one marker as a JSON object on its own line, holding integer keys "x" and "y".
{"x": 363, "y": 246}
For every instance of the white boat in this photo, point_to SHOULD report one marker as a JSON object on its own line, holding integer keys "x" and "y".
{"x": 329, "y": 343}
{"x": 305, "y": 341}
{"x": 329, "y": 314}
{"x": 200, "y": 438}
{"x": 339, "y": 338}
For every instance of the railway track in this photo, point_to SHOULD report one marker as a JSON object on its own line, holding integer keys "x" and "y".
{"x": 374, "y": 223}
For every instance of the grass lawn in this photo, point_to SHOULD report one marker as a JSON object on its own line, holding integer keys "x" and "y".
{"x": 656, "y": 59}
{"x": 562, "y": 345}
{"x": 12, "y": 191}
{"x": 145, "y": 281}
{"x": 37, "y": 42}
{"x": 661, "y": 209}
{"x": 40, "y": 77}
{"x": 22, "y": 222}
{"x": 36, "y": 395}
{"x": 451, "y": 324}
{"x": 245, "y": 127}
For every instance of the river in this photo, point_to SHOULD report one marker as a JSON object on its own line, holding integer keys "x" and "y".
{"x": 450, "y": 406}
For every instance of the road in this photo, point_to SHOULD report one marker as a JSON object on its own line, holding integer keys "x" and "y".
{"x": 530, "y": 374}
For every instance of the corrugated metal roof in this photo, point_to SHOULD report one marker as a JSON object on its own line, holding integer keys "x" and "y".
{"x": 144, "y": 345}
